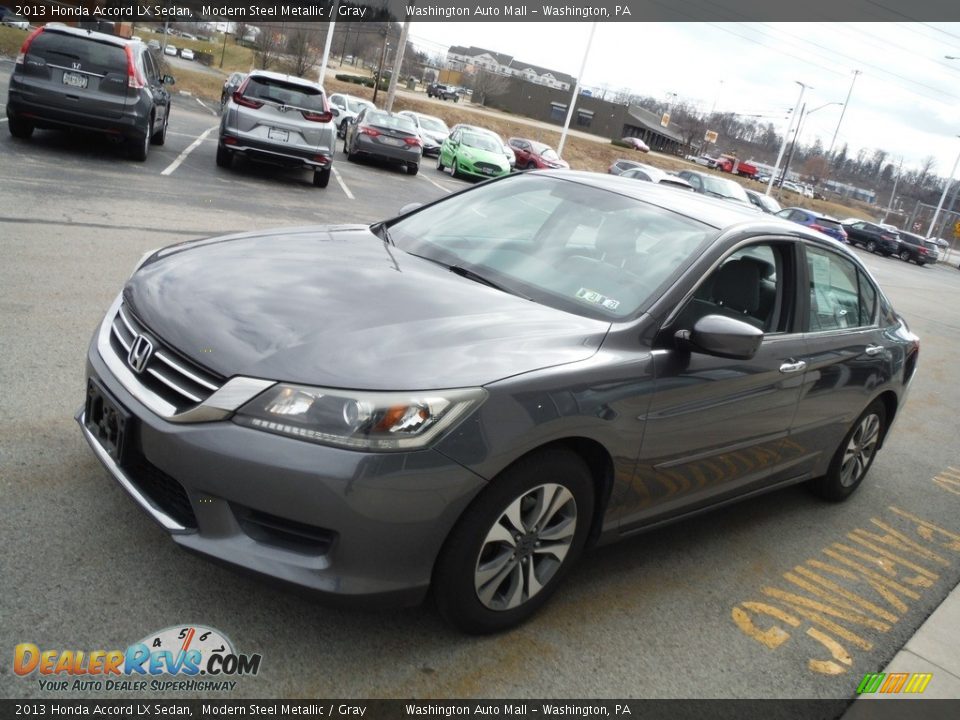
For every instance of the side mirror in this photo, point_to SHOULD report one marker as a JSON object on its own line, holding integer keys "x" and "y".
{"x": 722, "y": 336}
{"x": 169, "y": 80}
{"x": 410, "y": 207}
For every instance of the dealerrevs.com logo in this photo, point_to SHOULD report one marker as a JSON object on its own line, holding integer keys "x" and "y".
{"x": 197, "y": 657}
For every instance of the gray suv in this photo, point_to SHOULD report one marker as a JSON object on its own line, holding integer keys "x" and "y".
{"x": 67, "y": 78}
{"x": 279, "y": 120}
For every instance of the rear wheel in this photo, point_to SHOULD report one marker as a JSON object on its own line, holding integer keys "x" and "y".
{"x": 20, "y": 128}
{"x": 854, "y": 457}
{"x": 413, "y": 169}
{"x": 224, "y": 156}
{"x": 138, "y": 147}
{"x": 871, "y": 246}
{"x": 515, "y": 542}
{"x": 160, "y": 137}
{"x": 321, "y": 178}
{"x": 905, "y": 256}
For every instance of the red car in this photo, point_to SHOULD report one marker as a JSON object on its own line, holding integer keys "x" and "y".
{"x": 533, "y": 155}
{"x": 636, "y": 143}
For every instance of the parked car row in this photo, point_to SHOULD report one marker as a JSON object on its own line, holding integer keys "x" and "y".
{"x": 888, "y": 241}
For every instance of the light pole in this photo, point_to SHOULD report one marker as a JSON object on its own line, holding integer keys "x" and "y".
{"x": 845, "y": 104}
{"x": 804, "y": 114}
{"x": 576, "y": 92}
{"x": 946, "y": 188}
{"x": 783, "y": 145}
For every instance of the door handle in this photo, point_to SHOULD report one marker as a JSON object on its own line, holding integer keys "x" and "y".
{"x": 792, "y": 367}
{"x": 873, "y": 350}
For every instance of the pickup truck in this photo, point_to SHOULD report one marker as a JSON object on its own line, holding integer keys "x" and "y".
{"x": 727, "y": 163}
{"x": 444, "y": 92}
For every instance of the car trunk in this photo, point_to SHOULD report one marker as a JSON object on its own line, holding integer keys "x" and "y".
{"x": 77, "y": 73}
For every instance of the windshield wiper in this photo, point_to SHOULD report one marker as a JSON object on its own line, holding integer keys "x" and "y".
{"x": 477, "y": 277}
{"x": 380, "y": 230}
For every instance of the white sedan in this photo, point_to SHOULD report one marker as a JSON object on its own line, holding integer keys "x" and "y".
{"x": 169, "y": 50}
{"x": 186, "y": 54}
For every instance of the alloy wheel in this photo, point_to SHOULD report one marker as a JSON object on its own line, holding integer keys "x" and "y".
{"x": 525, "y": 547}
{"x": 860, "y": 450}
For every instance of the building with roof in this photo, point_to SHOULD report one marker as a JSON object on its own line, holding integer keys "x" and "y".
{"x": 471, "y": 59}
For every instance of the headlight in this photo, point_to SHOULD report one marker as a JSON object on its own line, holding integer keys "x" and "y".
{"x": 358, "y": 420}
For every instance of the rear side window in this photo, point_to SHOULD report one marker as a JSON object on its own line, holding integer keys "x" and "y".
{"x": 92, "y": 56}
{"x": 285, "y": 93}
{"x": 840, "y": 295}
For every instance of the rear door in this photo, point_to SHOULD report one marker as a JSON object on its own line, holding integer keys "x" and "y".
{"x": 79, "y": 74}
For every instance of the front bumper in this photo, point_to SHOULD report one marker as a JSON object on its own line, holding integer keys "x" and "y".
{"x": 349, "y": 524}
{"x": 477, "y": 169}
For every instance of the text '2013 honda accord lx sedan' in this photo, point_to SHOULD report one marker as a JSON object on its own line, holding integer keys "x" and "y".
{"x": 463, "y": 398}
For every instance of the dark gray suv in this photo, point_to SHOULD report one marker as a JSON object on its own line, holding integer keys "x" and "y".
{"x": 68, "y": 78}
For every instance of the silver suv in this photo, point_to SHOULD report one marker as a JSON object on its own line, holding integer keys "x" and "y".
{"x": 279, "y": 120}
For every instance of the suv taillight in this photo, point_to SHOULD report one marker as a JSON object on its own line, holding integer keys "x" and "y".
{"x": 317, "y": 116}
{"x": 135, "y": 80}
{"x": 26, "y": 45}
{"x": 239, "y": 99}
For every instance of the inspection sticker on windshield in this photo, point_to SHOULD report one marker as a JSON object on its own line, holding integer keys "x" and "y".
{"x": 592, "y": 296}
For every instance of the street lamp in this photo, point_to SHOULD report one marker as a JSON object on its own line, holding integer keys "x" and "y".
{"x": 804, "y": 114}
{"x": 943, "y": 197}
{"x": 783, "y": 145}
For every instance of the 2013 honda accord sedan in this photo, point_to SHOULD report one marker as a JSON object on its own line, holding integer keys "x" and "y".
{"x": 465, "y": 397}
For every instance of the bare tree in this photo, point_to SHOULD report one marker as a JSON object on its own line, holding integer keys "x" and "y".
{"x": 302, "y": 54}
{"x": 929, "y": 162}
{"x": 487, "y": 83}
{"x": 266, "y": 48}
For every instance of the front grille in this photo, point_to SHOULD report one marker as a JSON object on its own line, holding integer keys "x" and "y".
{"x": 162, "y": 489}
{"x": 487, "y": 167}
{"x": 284, "y": 533}
{"x": 177, "y": 380}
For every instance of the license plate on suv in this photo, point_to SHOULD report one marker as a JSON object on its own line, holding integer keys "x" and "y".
{"x": 77, "y": 80}
{"x": 108, "y": 421}
{"x": 278, "y": 134}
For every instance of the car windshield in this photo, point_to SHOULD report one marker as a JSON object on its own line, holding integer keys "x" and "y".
{"x": 433, "y": 124}
{"x": 724, "y": 188}
{"x": 284, "y": 93}
{"x": 930, "y": 245}
{"x": 828, "y": 223}
{"x": 381, "y": 119}
{"x": 481, "y": 142}
{"x": 560, "y": 243}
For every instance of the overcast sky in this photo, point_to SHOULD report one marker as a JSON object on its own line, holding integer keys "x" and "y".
{"x": 906, "y": 101}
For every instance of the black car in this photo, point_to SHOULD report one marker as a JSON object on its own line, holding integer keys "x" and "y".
{"x": 66, "y": 78}
{"x": 873, "y": 237}
{"x": 921, "y": 250}
{"x": 461, "y": 399}
{"x": 230, "y": 86}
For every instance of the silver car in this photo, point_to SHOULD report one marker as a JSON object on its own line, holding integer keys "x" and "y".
{"x": 280, "y": 120}
{"x": 433, "y": 130}
{"x": 345, "y": 108}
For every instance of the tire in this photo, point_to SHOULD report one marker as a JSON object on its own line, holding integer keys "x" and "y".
{"x": 454, "y": 169}
{"x": 160, "y": 137}
{"x": 321, "y": 178}
{"x": 531, "y": 166}
{"x": 871, "y": 246}
{"x": 351, "y": 156}
{"x": 905, "y": 256}
{"x": 139, "y": 148}
{"x": 853, "y": 458}
{"x": 20, "y": 128}
{"x": 482, "y": 580}
{"x": 342, "y": 130}
{"x": 224, "y": 156}
{"x": 413, "y": 169}
{"x": 439, "y": 164}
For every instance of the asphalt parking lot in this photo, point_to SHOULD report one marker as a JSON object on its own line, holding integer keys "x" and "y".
{"x": 763, "y": 599}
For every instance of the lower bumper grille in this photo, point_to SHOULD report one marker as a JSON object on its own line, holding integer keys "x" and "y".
{"x": 284, "y": 533}
{"x": 162, "y": 489}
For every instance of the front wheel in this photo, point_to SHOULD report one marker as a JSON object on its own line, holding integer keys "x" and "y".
{"x": 531, "y": 165}
{"x": 905, "y": 256}
{"x": 440, "y": 163}
{"x": 515, "y": 542}
{"x": 854, "y": 457}
{"x": 871, "y": 246}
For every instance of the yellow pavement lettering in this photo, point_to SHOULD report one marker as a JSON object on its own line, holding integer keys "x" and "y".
{"x": 902, "y": 542}
{"x": 844, "y": 593}
{"x": 950, "y": 484}
{"x": 773, "y": 637}
{"x": 883, "y": 586}
{"x": 862, "y": 540}
{"x": 927, "y": 530}
{"x": 829, "y": 667}
{"x": 794, "y": 600}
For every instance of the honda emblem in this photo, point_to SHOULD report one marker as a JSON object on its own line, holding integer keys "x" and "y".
{"x": 140, "y": 352}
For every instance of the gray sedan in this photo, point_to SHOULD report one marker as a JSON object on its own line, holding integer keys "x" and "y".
{"x": 385, "y": 136}
{"x": 468, "y": 396}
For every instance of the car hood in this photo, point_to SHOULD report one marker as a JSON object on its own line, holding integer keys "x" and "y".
{"x": 472, "y": 155}
{"x": 338, "y": 307}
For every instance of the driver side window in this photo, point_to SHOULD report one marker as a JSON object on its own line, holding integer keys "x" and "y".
{"x": 749, "y": 285}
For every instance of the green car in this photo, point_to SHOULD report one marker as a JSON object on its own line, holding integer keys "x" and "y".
{"x": 472, "y": 154}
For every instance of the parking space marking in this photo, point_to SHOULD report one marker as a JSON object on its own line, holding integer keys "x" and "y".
{"x": 190, "y": 148}
{"x": 435, "y": 184}
{"x": 212, "y": 111}
{"x": 343, "y": 185}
